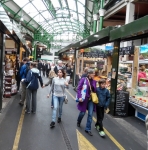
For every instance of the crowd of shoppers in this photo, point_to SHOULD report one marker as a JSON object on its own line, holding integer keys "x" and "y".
{"x": 59, "y": 76}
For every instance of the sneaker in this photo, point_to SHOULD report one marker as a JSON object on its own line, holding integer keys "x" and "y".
{"x": 51, "y": 106}
{"x": 21, "y": 104}
{"x": 102, "y": 133}
{"x": 89, "y": 132}
{"x": 52, "y": 124}
{"x": 34, "y": 112}
{"x": 27, "y": 112}
{"x": 59, "y": 120}
{"x": 97, "y": 128}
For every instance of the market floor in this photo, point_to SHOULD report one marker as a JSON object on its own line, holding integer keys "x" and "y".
{"x": 20, "y": 131}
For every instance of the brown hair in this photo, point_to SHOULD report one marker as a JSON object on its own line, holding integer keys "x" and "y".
{"x": 33, "y": 64}
{"x": 102, "y": 81}
{"x": 142, "y": 68}
{"x": 63, "y": 72}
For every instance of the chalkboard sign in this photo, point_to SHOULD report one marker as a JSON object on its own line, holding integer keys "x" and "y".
{"x": 122, "y": 102}
{"x": 129, "y": 50}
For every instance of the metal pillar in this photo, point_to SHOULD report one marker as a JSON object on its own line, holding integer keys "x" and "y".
{"x": 34, "y": 52}
{"x": 115, "y": 63}
{"x": 101, "y": 17}
{"x": 74, "y": 69}
{"x": 95, "y": 26}
{"x": 2, "y": 37}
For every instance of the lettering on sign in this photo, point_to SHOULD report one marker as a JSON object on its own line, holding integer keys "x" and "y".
{"x": 122, "y": 102}
{"x": 129, "y": 50}
{"x": 83, "y": 42}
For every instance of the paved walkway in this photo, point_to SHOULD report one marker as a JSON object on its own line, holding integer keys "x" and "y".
{"x": 20, "y": 131}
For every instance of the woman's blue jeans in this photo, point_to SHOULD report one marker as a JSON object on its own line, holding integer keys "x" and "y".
{"x": 56, "y": 101}
{"x": 90, "y": 107}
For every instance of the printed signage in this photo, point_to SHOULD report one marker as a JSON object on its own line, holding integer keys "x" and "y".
{"x": 129, "y": 50}
{"x": 122, "y": 102}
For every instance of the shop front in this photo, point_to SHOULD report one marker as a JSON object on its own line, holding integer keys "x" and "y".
{"x": 129, "y": 70}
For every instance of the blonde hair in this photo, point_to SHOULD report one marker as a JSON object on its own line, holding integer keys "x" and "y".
{"x": 52, "y": 74}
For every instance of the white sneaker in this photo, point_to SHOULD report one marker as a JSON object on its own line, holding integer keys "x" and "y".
{"x": 102, "y": 133}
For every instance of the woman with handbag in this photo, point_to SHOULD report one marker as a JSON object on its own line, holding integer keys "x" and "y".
{"x": 58, "y": 89}
{"x": 86, "y": 103}
{"x": 51, "y": 76}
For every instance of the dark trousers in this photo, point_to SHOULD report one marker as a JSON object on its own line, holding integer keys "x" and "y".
{"x": 31, "y": 101}
{"x": 44, "y": 73}
{"x": 100, "y": 116}
{"x": 47, "y": 72}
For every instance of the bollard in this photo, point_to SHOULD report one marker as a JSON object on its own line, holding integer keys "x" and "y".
{"x": 146, "y": 123}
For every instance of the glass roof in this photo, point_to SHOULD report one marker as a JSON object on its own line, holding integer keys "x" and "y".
{"x": 54, "y": 15}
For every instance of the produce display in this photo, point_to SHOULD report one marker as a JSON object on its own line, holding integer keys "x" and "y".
{"x": 140, "y": 95}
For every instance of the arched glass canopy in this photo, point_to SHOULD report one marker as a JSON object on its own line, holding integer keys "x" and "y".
{"x": 52, "y": 17}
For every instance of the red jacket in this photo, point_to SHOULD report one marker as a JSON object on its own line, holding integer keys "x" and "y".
{"x": 141, "y": 75}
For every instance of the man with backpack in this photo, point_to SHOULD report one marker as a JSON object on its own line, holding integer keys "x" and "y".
{"x": 23, "y": 73}
{"x": 32, "y": 85}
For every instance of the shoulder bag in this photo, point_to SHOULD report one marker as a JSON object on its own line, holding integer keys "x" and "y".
{"x": 94, "y": 96}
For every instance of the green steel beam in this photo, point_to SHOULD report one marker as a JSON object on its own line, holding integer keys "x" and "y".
{"x": 50, "y": 7}
{"x": 56, "y": 26}
{"x": 68, "y": 9}
{"x": 77, "y": 10}
{"x": 60, "y": 3}
{"x": 101, "y": 17}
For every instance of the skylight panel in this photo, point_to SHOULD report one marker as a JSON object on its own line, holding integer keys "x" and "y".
{"x": 55, "y": 3}
{"x": 21, "y": 3}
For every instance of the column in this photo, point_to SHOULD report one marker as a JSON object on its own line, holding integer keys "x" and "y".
{"x": 113, "y": 91}
{"x": 2, "y": 37}
{"x": 74, "y": 69}
{"x": 101, "y": 13}
{"x": 95, "y": 16}
{"x": 130, "y": 11}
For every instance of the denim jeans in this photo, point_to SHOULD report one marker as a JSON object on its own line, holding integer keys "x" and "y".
{"x": 57, "y": 100}
{"x": 90, "y": 107}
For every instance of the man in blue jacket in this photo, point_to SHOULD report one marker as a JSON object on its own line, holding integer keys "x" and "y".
{"x": 23, "y": 73}
{"x": 31, "y": 81}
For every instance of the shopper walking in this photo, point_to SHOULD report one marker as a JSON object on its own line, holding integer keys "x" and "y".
{"x": 104, "y": 100}
{"x": 59, "y": 66}
{"x": 23, "y": 72}
{"x": 48, "y": 68}
{"x": 32, "y": 86}
{"x": 51, "y": 76}
{"x": 85, "y": 72}
{"x": 86, "y": 103}
{"x": 44, "y": 68}
{"x": 58, "y": 88}
{"x": 40, "y": 66}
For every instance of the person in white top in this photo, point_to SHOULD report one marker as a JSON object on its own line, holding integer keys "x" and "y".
{"x": 58, "y": 89}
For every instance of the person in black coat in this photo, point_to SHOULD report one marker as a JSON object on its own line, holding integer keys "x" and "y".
{"x": 48, "y": 68}
{"x": 44, "y": 68}
{"x": 40, "y": 66}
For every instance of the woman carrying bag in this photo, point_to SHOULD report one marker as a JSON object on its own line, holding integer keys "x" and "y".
{"x": 58, "y": 89}
{"x": 86, "y": 103}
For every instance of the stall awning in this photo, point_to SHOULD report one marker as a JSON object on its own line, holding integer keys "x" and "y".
{"x": 98, "y": 38}
{"x": 65, "y": 48}
{"x": 5, "y": 19}
{"x": 130, "y": 30}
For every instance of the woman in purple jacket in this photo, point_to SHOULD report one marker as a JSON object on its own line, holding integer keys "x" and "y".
{"x": 87, "y": 103}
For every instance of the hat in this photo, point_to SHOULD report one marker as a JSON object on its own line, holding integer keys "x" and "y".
{"x": 90, "y": 71}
